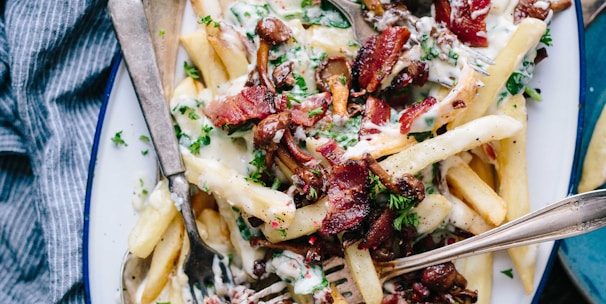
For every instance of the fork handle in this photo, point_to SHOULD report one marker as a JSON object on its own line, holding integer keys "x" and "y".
{"x": 132, "y": 30}
{"x": 572, "y": 216}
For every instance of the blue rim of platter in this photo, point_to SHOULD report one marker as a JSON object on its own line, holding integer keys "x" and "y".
{"x": 91, "y": 169}
{"x": 575, "y": 172}
{"x": 582, "y": 256}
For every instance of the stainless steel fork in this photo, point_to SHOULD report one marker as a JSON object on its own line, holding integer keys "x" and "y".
{"x": 571, "y": 216}
{"x": 133, "y": 34}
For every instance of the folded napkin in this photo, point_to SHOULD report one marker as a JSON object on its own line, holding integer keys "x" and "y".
{"x": 54, "y": 66}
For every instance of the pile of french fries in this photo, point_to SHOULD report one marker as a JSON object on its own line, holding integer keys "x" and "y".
{"x": 483, "y": 161}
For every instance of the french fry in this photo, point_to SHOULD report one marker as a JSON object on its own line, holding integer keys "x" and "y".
{"x": 462, "y": 138}
{"x": 215, "y": 230}
{"x": 432, "y": 212}
{"x": 513, "y": 185}
{"x": 204, "y": 57}
{"x": 594, "y": 172}
{"x": 244, "y": 255}
{"x": 164, "y": 257}
{"x": 388, "y": 142}
{"x": 363, "y": 272}
{"x": 459, "y": 98}
{"x": 203, "y": 8}
{"x": 525, "y": 38}
{"x": 484, "y": 170}
{"x": 152, "y": 222}
{"x": 482, "y": 198}
{"x": 188, "y": 87}
{"x": 307, "y": 220}
{"x": 271, "y": 206}
{"x": 462, "y": 216}
{"x": 477, "y": 270}
{"x": 229, "y": 48}
{"x": 334, "y": 41}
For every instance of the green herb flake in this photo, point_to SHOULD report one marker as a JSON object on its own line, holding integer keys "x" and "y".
{"x": 205, "y": 20}
{"x": 144, "y": 152}
{"x": 546, "y": 38}
{"x": 508, "y": 272}
{"x": 300, "y": 82}
{"x": 306, "y": 3}
{"x": 314, "y": 112}
{"x": 161, "y": 32}
{"x": 258, "y": 162}
{"x": 118, "y": 140}
{"x": 191, "y": 71}
{"x": 533, "y": 93}
{"x": 343, "y": 79}
{"x": 144, "y": 138}
{"x": 193, "y": 115}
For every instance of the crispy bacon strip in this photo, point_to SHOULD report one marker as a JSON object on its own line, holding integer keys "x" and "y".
{"x": 527, "y": 8}
{"x": 251, "y": 103}
{"x": 348, "y": 197}
{"x": 376, "y": 112}
{"x": 380, "y": 229}
{"x": 466, "y": 19}
{"x": 331, "y": 151}
{"x": 377, "y": 57}
{"x": 414, "y": 112}
{"x": 310, "y": 110}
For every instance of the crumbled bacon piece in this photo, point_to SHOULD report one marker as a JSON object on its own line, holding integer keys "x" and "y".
{"x": 310, "y": 110}
{"x": 414, "y": 112}
{"x": 397, "y": 94}
{"x": 251, "y": 103}
{"x": 527, "y": 8}
{"x": 380, "y": 229}
{"x": 376, "y": 112}
{"x": 377, "y": 57}
{"x": 466, "y": 19}
{"x": 331, "y": 151}
{"x": 348, "y": 200}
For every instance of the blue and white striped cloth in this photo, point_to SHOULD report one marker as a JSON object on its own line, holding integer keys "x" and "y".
{"x": 54, "y": 65}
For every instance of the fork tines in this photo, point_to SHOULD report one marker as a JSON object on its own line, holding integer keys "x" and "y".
{"x": 338, "y": 274}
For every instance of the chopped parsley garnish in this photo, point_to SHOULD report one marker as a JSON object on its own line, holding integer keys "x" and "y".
{"x": 161, "y": 32}
{"x": 193, "y": 115}
{"x": 421, "y": 136}
{"x": 300, "y": 82}
{"x": 144, "y": 152}
{"x": 290, "y": 99}
{"x": 191, "y": 70}
{"x": 533, "y": 93}
{"x": 258, "y": 162}
{"x": 453, "y": 57}
{"x": 343, "y": 79}
{"x": 546, "y": 38}
{"x": 178, "y": 131}
{"x": 430, "y": 51}
{"x": 306, "y": 3}
{"x": 207, "y": 20}
{"x": 314, "y": 112}
{"x": 203, "y": 139}
{"x": 144, "y": 138}
{"x": 515, "y": 83}
{"x": 508, "y": 272}
{"x": 118, "y": 140}
{"x": 401, "y": 204}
